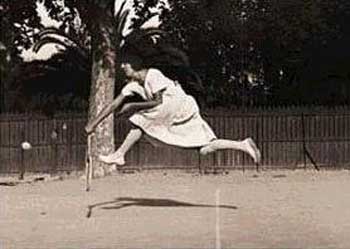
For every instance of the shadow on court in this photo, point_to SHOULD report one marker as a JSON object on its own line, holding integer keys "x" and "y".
{"x": 124, "y": 202}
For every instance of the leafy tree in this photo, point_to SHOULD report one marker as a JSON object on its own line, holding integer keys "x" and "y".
{"x": 246, "y": 50}
{"x": 64, "y": 76}
{"x": 23, "y": 25}
{"x": 300, "y": 31}
{"x": 8, "y": 53}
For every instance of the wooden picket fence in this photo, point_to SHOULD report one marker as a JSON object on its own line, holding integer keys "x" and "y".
{"x": 59, "y": 143}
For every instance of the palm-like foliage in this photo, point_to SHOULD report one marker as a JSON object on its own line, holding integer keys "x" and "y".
{"x": 77, "y": 51}
{"x": 71, "y": 48}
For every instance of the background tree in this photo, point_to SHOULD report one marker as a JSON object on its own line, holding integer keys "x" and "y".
{"x": 28, "y": 88}
{"x": 256, "y": 51}
{"x": 15, "y": 34}
{"x": 301, "y": 35}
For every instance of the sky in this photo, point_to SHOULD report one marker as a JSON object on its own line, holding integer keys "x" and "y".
{"x": 48, "y": 50}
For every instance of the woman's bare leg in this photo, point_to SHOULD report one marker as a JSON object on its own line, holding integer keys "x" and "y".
{"x": 133, "y": 136}
{"x": 246, "y": 145}
{"x": 118, "y": 157}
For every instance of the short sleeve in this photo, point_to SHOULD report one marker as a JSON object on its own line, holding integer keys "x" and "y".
{"x": 157, "y": 81}
{"x": 133, "y": 88}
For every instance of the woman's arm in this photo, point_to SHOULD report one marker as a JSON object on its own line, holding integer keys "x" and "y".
{"x": 106, "y": 111}
{"x": 137, "y": 106}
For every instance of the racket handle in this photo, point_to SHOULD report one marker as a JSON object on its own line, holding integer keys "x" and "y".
{"x": 88, "y": 164}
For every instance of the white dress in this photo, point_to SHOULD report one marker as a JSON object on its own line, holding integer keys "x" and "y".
{"x": 176, "y": 121}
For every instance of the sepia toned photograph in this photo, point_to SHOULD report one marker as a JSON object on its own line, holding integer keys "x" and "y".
{"x": 175, "y": 124}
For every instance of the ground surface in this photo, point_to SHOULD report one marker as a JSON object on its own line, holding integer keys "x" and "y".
{"x": 272, "y": 209}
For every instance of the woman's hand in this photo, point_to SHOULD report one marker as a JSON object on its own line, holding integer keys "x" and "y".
{"x": 89, "y": 128}
{"x": 106, "y": 111}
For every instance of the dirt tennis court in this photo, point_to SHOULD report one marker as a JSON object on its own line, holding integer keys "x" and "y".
{"x": 171, "y": 209}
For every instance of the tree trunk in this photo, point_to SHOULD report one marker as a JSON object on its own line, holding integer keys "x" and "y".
{"x": 102, "y": 87}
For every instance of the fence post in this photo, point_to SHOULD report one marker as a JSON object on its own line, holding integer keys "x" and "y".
{"x": 303, "y": 136}
{"x": 305, "y": 151}
{"x": 257, "y": 140}
{"x": 54, "y": 136}
{"x": 22, "y": 169}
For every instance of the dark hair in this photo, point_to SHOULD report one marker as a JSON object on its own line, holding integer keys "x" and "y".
{"x": 136, "y": 61}
{"x": 141, "y": 51}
